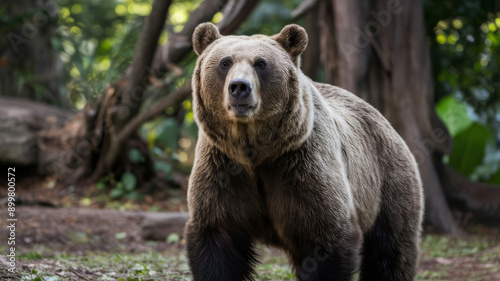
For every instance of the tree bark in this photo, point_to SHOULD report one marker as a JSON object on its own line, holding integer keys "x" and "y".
{"x": 471, "y": 197}
{"x": 378, "y": 50}
{"x": 132, "y": 95}
{"x": 29, "y": 66}
{"x": 311, "y": 56}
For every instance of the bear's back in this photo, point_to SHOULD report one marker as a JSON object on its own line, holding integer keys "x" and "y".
{"x": 361, "y": 118}
{"x": 370, "y": 146}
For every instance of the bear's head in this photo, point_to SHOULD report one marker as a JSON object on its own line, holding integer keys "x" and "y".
{"x": 247, "y": 81}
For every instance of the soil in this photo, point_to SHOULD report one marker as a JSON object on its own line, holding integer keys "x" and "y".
{"x": 77, "y": 231}
{"x": 35, "y": 191}
{"x": 51, "y": 231}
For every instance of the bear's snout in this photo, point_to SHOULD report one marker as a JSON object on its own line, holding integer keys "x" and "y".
{"x": 240, "y": 90}
{"x": 242, "y": 101}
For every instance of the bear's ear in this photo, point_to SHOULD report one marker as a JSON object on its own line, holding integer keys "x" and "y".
{"x": 204, "y": 35}
{"x": 293, "y": 38}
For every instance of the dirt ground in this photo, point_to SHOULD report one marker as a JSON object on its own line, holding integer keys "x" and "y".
{"x": 43, "y": 233}
{"x": 79, "y": 231}
{"x": 57, "y": 226}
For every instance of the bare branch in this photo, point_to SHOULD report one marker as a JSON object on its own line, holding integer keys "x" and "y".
{"x": 482, "y": 199}
{"x": 179, "y": 45}
{"x": 303, "y": 8}
{"x": 236, "y": 16}
{"x": 146, "y": 46}
{"x": 137, "y": 80}
{"x": 133, "y": 125}
{"x": 170, "y": 100}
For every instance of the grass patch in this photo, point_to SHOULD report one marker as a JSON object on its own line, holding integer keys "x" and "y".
{"x": 443, "y": 258}
{"x": 433, "y": 246}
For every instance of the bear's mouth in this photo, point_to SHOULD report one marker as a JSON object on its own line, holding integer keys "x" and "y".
{"x": 241, "y": 109}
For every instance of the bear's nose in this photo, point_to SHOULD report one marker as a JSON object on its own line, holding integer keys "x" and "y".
{"x": 239, "y": 89}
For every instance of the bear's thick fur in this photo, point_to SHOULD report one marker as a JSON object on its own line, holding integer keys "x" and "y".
{"x": 305, "y": 167}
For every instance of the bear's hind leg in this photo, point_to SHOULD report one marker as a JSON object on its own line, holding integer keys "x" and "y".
{"x": 390, "y": 249}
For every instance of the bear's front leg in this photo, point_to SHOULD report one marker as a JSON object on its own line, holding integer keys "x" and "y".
{"x": 335, "y": 260}
{"x": 226, "y": 214}
{"x": 216, "y": 254}
{"x": 312, "y": 211}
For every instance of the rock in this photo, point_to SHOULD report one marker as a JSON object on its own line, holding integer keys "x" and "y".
{"x": 20, "y": 123}
{"x": 157, "y": 226}
{"x": 17, "y": 143}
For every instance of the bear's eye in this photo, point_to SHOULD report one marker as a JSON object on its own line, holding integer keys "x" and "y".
{"x": 225, "y": 63}
{"x": 260, "y": 64}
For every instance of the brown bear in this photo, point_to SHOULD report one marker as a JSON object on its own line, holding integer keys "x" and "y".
{"x": 305, "y": 167}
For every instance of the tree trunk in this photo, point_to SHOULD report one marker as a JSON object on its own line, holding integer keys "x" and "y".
{"x": 29, "y": 66}
{"x": 311, "y": 56}
{"x": 378, "y": 50}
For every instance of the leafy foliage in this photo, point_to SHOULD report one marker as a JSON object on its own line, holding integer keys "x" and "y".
{"x": 96, "y": 40}
{"x": 469, "y": 148}
{"x": 269, "y": 17}
{"x": 124, "y": 188}
{"x": 454, "y": 114}
{"x": 465, "y": 38}
{"x": 474, "y": 151}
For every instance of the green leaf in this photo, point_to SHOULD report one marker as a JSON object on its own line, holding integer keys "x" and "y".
{"x": 116, "y": 193}
{"x": 121, "y": 235}
{"x": 100, "y": 185}
{"x": 495, "y": 179}
{"x": 129, "y": 180}
{"x": 136, "y": 156}
{"x": 173, "y": 238}
{"x": 56, "y": 44}
{"x": 165, "y": 168}
{"x": 491, "y": 164}
{"x": 118, "y": 256}
{"x": 190, "y": 126}
{"x": 133, "y": 195}
{"x": 168, "y": 133}
{"x": 468, "y": 149}
{"x": 454, "y": 114}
